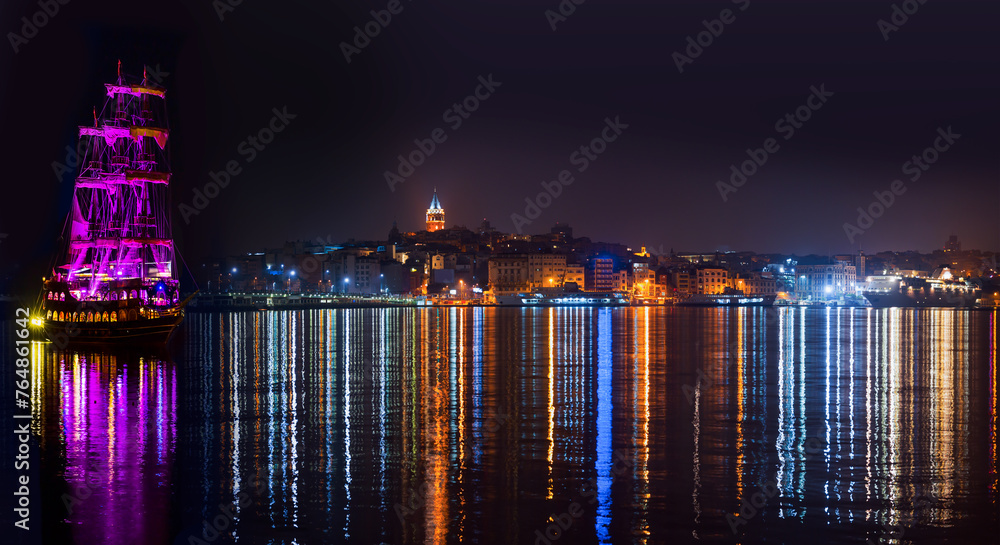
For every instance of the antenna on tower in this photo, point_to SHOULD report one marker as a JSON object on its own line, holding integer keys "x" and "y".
{"x": 119, "y": 68}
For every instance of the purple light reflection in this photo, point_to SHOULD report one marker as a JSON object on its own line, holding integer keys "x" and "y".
{"x": 113, "y": 416}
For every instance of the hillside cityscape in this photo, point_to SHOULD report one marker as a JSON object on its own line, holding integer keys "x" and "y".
{"x": 461, "y": 265}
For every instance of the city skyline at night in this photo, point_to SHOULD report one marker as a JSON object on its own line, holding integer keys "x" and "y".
{"x": 538, "y": 272}
{"x": 748, "y": 96}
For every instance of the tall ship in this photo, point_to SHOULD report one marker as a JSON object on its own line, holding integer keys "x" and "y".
{"x": 114, "y": 280}
{"x": 937, "y": 290}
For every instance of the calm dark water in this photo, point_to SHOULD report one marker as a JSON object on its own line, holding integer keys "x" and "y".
{"x": 483, "y": 425}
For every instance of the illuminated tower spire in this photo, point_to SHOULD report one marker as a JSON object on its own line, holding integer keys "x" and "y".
{"x": 435, "y": 214}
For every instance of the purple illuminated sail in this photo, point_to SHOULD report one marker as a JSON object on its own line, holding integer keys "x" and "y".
{"x": 116, "y": 280}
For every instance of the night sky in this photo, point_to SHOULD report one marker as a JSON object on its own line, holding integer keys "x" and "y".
{"x": 323, "y": 175}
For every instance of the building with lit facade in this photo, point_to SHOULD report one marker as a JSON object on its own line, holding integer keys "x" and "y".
{"x": 783, "y": 274}
{"x": 644, "y": 280}
{"x": 546, "y": 270}
{"x": 712, "y": 281}
{"x": 435, "y": 214}
{"x": 349, "y": 273}
{"x": 858, "y": 260}
{"x": 575, "y": 275}
{"x": 508, "y": 274}
{"x": 518, "y": 273}
{"x": 826, "y": 281}
{"x": 684, "y": 282}
{"x": 756, "y": 283}
{"x": 623, "y": 281}
{"x": 600, "y": 275}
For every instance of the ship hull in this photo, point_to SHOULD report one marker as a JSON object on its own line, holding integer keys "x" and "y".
{"x": 128, "y": 320}
{"x": 131, "y": 332}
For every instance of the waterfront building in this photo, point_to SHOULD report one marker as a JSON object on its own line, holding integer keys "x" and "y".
{"x": 575, "y": 275}
{"x": 684, "y": 282}
{"x": 783, "y": 274}
{"x": 857, "y": 260}
{"x": 546, "y": 270}
{"x": 712, "y": 280}
{"x": 756, "y": 283}
{"x": 600, "y": 276}
{"x": 644, "y": 280}
{"x": 824, "y": 282}
{"x": 623, "y": 281}
{"x": 508, "y": 274}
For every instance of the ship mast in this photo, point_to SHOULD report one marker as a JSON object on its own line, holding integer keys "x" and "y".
{"x": 120, "y": 221}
